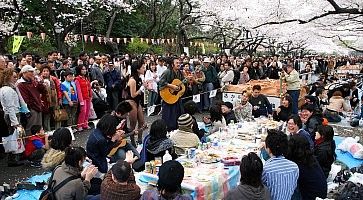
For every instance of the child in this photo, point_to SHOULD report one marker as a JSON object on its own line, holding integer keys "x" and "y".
{"x": 228, "y": 113}
{"x": 70, "y": 99}
{"x": 36, "y": 146}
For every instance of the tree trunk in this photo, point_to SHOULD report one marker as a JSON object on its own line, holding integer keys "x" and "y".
{"x": 113, "y": 45}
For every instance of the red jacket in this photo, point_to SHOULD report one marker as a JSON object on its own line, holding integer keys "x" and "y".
{"x": 31, "y": 92}
{"x": 29, "y": 146}
{"x": 84, "y": 91}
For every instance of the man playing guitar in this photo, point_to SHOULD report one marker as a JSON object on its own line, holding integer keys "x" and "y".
{"x": 171, "y": 112}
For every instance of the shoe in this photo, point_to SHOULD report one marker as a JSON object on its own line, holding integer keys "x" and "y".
{"x": 79, "y": 129}
{"x": 35, "y": 164}
{"x": 87, "y": 128}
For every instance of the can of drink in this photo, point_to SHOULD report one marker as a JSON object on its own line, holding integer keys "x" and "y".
{"x": 148, "y": 168}
{"x": 191, "y": 153}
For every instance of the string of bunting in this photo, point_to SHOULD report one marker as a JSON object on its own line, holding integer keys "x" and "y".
{"x": 102, "y": 39}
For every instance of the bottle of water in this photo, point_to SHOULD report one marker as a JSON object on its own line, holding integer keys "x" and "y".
{"x": 167, "y": 156}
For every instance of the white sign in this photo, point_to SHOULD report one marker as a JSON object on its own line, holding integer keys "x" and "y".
{"x": 186, "y": 50}
{"x": 196, "y": 98}
{"x": 150, "y": 110}
{"x": 212, "y": 93}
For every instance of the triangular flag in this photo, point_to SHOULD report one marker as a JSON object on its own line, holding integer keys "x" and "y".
{"x": 147, "y": 40}
{"x": 17, "y": 43}
{"x": 76, "y": 37}
{"x": 118, "y": 40}
{"x": 99, "y": 39}
{"x": 42, "y": 35}
{"x": 111, "y": 40}
{"x": 190, "y": 43}
{"x": 92, "y": 38}
{"x": 105, "y": 40}
{"x": 132, "y": 40}
{"x": 158, "y": 41}
{"x": 142, "y": 40}
{"x": 29, "y": 34}
{"x": 172, "y": 40}
{"x": 168, "y": 41}
{"x": 85, "y": 38}
{"x": 196, "y": 98}
{"x": 162, "y": 41}
{"x": 125, "y": 40}
{"x": 152, "y": 41}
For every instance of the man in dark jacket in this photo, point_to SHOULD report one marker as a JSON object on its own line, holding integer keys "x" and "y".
{"x": 311, "y": 118}
{"x": 260, "y": 104}
{"x": 112, "y": 78}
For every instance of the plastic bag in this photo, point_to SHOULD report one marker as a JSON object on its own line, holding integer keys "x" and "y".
{"x": 352, "y": 146}
{"x": 12, "y": 144}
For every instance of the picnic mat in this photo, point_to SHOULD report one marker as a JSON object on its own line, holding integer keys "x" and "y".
{"x": 33, "y": 194}
{"x": 346, "y": 157}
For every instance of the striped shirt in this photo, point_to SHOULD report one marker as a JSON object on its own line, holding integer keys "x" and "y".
{"x": 280, "y": 177}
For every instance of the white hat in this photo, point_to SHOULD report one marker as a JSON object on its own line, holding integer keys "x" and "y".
{"x": 206, "y": 60}
{"x": 27, "y": 68}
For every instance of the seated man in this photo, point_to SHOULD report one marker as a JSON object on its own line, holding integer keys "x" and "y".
{"x": 260, "y": 104}
{"x": 184, "y": 137}
{"x": 228, "y": 113}
{"x": 243, "y": 111}
{"x": 311, "y": 118}
{"x": 279, "y": 174}
{"x": 119, "y": 182}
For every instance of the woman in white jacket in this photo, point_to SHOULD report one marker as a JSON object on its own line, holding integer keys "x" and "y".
{"x": 9, "y": 99}
{"x": 152, "y": 79}
{"x": 227, "y": 75}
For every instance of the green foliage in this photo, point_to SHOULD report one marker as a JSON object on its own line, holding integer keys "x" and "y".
{"x": 137, "y": 47}
{"x": 34, "y": 45}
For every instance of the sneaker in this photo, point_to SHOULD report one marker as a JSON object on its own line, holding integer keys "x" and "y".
{"x": 35, "y": 164}
{"x": 79, "y": 129}
{"x": 87, "y": 128}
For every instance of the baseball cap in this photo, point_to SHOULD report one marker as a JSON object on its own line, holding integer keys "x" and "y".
{"x": 27, "y": 68}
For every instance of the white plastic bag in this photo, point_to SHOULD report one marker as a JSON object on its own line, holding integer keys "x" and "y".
{"x": 352, "y": 146}
{"x": 12, "y": 144}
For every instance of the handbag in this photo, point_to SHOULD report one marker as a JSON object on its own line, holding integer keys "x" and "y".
{"x": 60, "y": 114}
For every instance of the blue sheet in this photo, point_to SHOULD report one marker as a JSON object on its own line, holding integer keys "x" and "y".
{"x": 33, "y": 194}
{"x": 346, "y": 157}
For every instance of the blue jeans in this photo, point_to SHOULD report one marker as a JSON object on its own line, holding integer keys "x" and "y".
{"x": 294, "y": 94}
{"x": 152, "y": 98}
{"x": 207, "y": 102}
{"x": 121, "y": 153}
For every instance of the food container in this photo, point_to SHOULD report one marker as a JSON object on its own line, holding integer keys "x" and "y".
{"x": 231, "y": 161}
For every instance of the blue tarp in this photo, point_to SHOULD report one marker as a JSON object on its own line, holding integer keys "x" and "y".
{"x": 346, "y": 157}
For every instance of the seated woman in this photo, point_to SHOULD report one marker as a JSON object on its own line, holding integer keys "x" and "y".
{"x": 243, "y": 111}
{"x": 61, "y": 139}
{"x": 312, "y": 181}
{"x": 216, "y": 119}
{"x": 324, "y": 149}
{"x": 156, "y": 143}
{"x": 107, "y": 137}
{"x": 336, "y": 105}
{"x": 251, "y": 186}
{"x": 284, "y": 110}
{"x": 79, "y": 184}
{"x": 171, "y": 175}
{"x": 183, "y": 137}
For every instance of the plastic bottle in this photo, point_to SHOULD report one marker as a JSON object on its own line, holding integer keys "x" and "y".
{"x": 167, "y": 156}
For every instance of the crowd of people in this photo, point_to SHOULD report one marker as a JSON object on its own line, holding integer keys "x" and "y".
{"x": 34, "y": 90}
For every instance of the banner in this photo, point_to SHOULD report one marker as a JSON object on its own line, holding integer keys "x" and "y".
{"x": 17, "y": 43}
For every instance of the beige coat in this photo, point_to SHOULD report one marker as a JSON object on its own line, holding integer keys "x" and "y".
{"x": 292, "y": 80}
{"x": 336, "y": 103}
{"x": 76, "y": 189}
{"x": 184, "y": 140}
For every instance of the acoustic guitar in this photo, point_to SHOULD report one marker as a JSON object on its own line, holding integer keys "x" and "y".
{"x": 171, "y": 96}
{"x": 123, "y": 141}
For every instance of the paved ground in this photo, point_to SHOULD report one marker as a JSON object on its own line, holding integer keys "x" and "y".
{"x": 15, "y": 174}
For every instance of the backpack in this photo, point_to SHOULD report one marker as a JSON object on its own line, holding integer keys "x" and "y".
{"x": 49, "y": 193}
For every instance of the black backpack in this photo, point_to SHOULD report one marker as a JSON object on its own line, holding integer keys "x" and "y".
{"x": 49, "y": 193}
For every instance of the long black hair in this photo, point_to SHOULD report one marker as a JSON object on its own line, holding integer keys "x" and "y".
{"x": 136, "y": 65}
{"x": 73, "y": 155}
{"x": 299, "y": 151}
{"x": 158, "y": 130}
{"x": 215, "y": 112}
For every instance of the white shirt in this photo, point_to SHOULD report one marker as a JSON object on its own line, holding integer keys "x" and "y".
{"x": 160, "y": 70}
